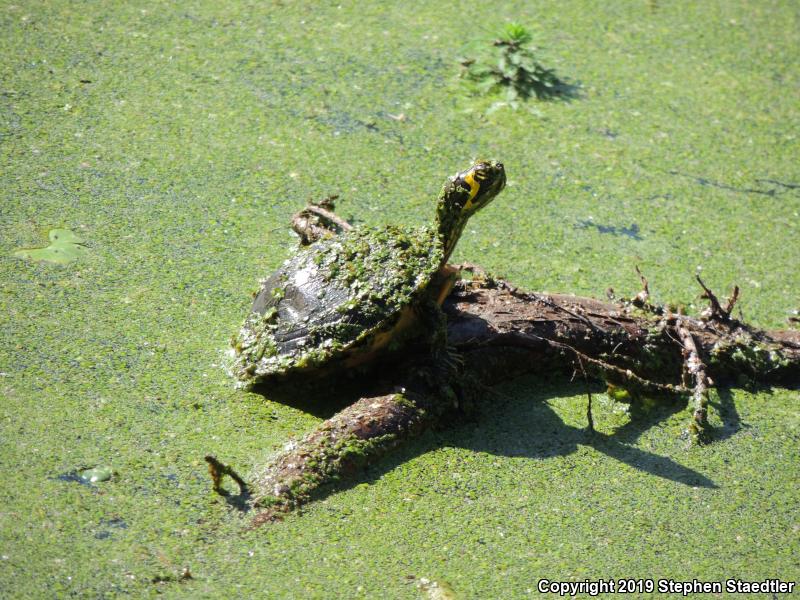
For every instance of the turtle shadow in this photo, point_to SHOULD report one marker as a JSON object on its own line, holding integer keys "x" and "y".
{"x": 321, "y": 397}
{"x": 326, "y": 393}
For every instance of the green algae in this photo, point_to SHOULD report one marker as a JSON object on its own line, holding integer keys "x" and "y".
{"x": 202, "y": 129}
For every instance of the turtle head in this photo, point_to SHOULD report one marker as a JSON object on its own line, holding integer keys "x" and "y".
{"x": 465, "y": 194}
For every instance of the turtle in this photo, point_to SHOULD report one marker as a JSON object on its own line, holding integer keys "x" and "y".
{"x": 345, "y": 298}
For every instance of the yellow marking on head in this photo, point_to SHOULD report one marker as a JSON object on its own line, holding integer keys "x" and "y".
{"x": 474, "y": 187}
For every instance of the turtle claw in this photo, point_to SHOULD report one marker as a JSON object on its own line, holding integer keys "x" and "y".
{"x": 454, "y": 355}
{"x": 447, "y": 361}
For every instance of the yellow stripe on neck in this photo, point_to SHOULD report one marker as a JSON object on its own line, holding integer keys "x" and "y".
{"x": 474, "y": 187}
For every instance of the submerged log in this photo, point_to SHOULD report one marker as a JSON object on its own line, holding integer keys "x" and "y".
{"x": 499, "y": 333}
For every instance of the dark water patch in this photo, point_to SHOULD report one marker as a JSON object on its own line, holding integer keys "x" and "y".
{"x": 632, "y": 232}
{"x": 72, "y": 477}
{"x": 343, "y": 122}
{"x": 116, "y": 522}
{"x": 112, "y": 523}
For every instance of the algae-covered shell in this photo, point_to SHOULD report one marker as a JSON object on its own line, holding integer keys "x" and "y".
{"x": 335, "y": 299}
{"x": 347, "y": 297}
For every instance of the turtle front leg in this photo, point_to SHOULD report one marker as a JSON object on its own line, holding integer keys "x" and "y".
{"x": 442, "y": 373}
{"x": 442, "y": 284}
{"x": 444, "y": 281}
{"x": 432, "y": 316}
{"x": 446, "y": 361}
{"x": 434, "y": 321}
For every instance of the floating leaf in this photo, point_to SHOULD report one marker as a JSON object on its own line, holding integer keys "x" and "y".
{"x": 65, "y": 247}
{"x": 95, "y": 474}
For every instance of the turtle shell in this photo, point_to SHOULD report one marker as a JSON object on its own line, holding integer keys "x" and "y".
{"x": 331, "y": 298}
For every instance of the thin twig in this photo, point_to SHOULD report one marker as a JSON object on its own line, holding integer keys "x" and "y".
{"x": 530, "y": 296}
{"x": 717, "y": 312}
{"x": 696, "y": 368}
{"x": 732, "y": 300}
{"x": 218, "y": 470}
{"x": 589, "y": 418}
{"x": 329, "y": 216}
{"x": 627, "y": 375}
{"x": 318, "y": 221}
{"x": 641, "y": 299}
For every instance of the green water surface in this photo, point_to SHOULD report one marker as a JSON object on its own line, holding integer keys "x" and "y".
{"x": 175, "y": 140}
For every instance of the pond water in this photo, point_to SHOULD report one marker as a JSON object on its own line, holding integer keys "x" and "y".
{"x": 176, "y": 140}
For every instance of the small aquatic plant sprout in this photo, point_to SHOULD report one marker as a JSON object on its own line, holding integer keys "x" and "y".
{"x": 509, "y": 66}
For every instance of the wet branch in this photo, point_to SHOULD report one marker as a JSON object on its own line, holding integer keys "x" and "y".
{"x": 337, "y": 449}
{"x": 317, "y": 220}
{"x": 697, "y": 370}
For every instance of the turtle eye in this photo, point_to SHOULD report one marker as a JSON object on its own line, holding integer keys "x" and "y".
{"x": 460, "y": 200}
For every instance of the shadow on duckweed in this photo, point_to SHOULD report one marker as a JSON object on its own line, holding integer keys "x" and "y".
{"x": 240, "y": 502}
{"x": 510, "y": 65}
{"x": 632, "y": 232}
{"x": 73, "y": 477}
{"x": 521, "y": 426}
{"x": 550, "y": 437}
{"x": 763, "y": 186}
